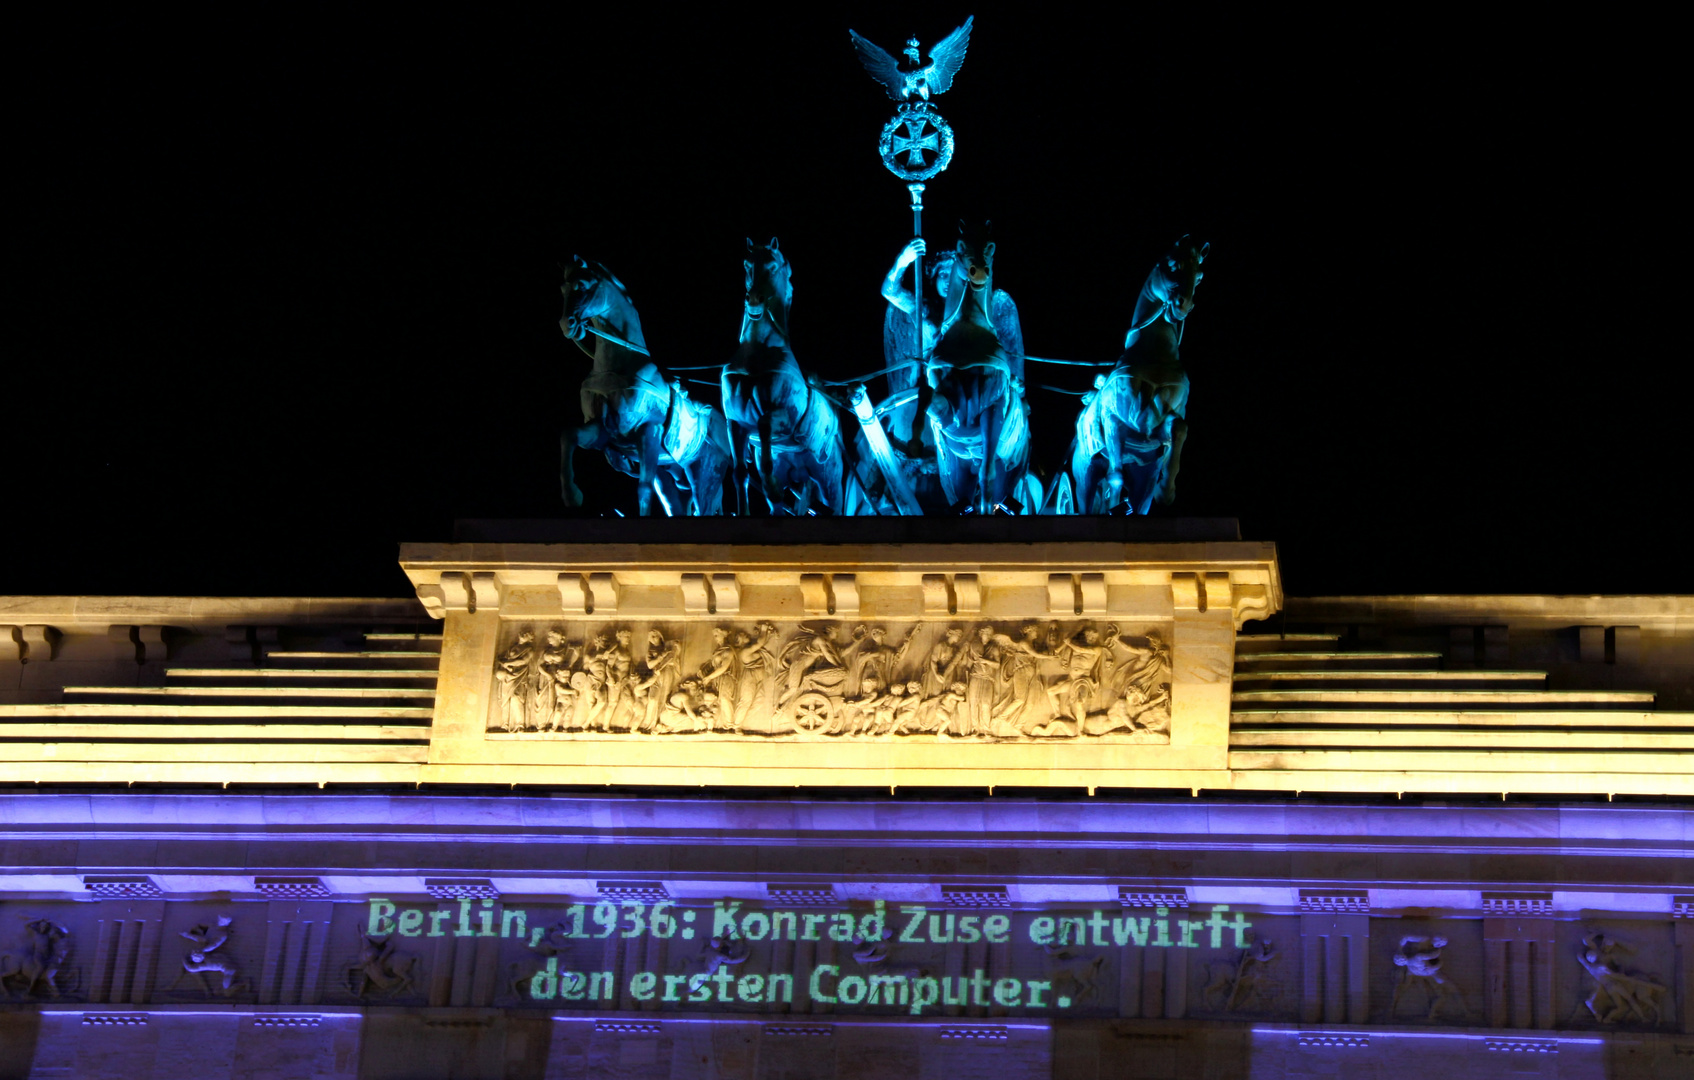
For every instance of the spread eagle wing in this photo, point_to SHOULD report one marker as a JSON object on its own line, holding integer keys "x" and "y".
{"x": 882, "y": 67}
{"x": 946, "y": 58}
{"x": 1008, "y": 329}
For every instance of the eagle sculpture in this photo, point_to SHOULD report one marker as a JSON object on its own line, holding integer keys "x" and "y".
{"x": 915, "y": 77}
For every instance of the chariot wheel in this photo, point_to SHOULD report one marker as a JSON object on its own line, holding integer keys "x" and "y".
{"x": 812, "y": 711}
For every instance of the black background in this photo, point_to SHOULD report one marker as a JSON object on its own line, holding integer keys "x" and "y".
{"x": 288, "y": 275}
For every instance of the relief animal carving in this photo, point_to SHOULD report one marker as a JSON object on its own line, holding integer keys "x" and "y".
{"x": 718, "y": 953}
{"x": 37, "y": 967}
{"x": 552, "y": 943}
{"x": 1075, "y": 976}
{"x": 199, "y": 961}
{"x": 382, "y": 970}
{"x": 1419, "y": 961}
{"x": 1247, "y": 982}
{"x": 1618, "y": 996}
{"x": 821, "y": 679}
{"x": 873, "y": 953}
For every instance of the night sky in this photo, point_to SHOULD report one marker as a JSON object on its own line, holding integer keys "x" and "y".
{"x": 288, "y": 283}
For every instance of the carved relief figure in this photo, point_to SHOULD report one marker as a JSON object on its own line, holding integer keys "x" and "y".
{"x": 553, "y": 694}
{"x": 1419, "y": 961}
{"x": 512, "y": 673}
{"x": 207, "y": 938}
{"x": 758, "y": 672}
{"x": 718, "y": 953}
{"x": 722, "y": 673}
{"x": 555, "y": 941}
{"x": 1245, "y": 981}
{"x": 938, "y": 665}
{"x": 664, "y": 668}
{"x": 1086, "y": 661}
{"x": 47, "y": 946}
{"x": 1023, "y": 701}
{"x": 1074, "y": 975}
{"x": 382, "y": 970}
{"x": 1618, "y": 996}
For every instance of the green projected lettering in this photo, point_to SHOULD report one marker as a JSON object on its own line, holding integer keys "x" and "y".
{"x": 734, "y": 935}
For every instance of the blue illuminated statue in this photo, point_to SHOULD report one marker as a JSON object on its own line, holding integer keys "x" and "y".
{"x": 646, "y": 425}
{"x": 1129, "y": 437}
{"x": 977, "y": 416}
{"x": 783, "y": 430}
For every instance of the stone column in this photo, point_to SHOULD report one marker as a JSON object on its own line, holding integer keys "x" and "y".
{"x": 470, "y": 607}
{"x": 1517, "y": 935}
{"x": 1335, "y": 940}
{"x": 126, "y": 951}
{"x": 1202, "y": 663}
{"x": 294, "y": 950}
{"x": 1684, "y": 909}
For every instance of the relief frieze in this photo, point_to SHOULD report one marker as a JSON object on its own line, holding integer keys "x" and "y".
{"x": 986, "y": 681}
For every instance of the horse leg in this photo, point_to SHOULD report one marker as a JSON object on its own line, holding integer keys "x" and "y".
{"x": 767, "y": 460}
{"x": 1179, "y": 435}
{"x": 738, "y": 465}
{"x": 650, "y": 436}
{"x": 988, "y": 493}
{"x": 586, "y": 437}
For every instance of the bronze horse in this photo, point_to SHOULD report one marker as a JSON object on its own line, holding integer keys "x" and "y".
{"x": 646, "y": 425}
{"x": 1128, "y": 445}
{"x": 783, "y": 430}
{"x": 977, "y": 415}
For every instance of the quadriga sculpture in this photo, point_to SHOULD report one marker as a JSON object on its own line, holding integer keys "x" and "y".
{"x": 646, "y": 424}
{"x": 1129, "y": 437}
{"x": 783, "y": 431}
{"x": 977, "y": 416}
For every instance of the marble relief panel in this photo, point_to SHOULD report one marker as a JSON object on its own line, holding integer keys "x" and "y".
{"x": 989, "y": 681}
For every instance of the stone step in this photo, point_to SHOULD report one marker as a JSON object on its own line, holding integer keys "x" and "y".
{"x": 1270, "y": 719}
{"x": 257, "y": 692}
{"x": 1335, "y": 657}
{"x": 1427, "y": 739}
{"x": 195, "y": 712}
{"x": 203, "y": 751}
{"x": 1280, "y": 642}
{"x": 389, "y": 654}
{"x": 1408, "y": 760}
{"x": 1392, "y": 675}
{"x": 240, "y": 674}
{"x": 1472, "y": 698}
{"x": 72, "y": 732}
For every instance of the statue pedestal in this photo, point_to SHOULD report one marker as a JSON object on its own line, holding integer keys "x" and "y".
{"x": 1061, "y": 655}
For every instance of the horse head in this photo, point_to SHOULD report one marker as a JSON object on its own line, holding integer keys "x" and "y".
{"x": 587, "y": 289}
{"x": 969, "y": 272}
{"x": 768, "y": 281}
{"x": 1179, "y": 276}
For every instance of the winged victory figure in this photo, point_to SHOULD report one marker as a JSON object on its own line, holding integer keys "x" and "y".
{"x": 915, "y": 77}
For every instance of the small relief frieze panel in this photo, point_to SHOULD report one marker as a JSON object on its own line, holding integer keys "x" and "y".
{"x": 1011, "y": 682}
{"x": 1256, "y": 975}
{"x": 33, "y": 964}
{"x": 1428, "y": 971}
{"x": 1620, "y": 987}
{"x": 1623, "y": 974}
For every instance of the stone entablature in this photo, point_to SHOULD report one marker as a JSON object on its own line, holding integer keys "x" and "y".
{"x": 838, "y": 664}
{"x": 1346, "y": 923}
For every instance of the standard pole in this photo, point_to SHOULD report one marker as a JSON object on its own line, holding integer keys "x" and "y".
{"x": 917, "y": 273}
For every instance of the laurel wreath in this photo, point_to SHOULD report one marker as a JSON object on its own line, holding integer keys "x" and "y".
{"x": 943, "y": 153}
